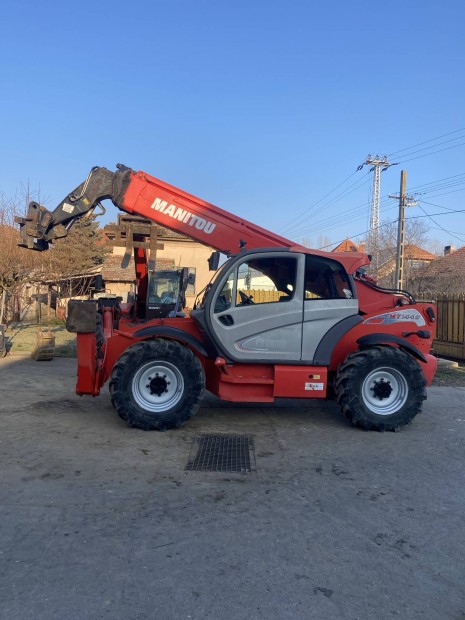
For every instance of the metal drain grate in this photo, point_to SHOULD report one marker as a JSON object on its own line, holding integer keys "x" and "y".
{"x": 232, "y": 453}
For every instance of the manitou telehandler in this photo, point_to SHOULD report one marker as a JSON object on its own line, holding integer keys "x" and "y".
{"x": 278, "y": 320}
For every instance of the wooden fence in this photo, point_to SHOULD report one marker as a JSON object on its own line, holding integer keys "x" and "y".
{"x": 450, "y": 335}
{"x": 261, "y": 297}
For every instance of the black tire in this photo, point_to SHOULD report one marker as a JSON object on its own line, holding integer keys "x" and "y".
{"x": 380, "y": 388}
{"x": 157, "y": 385}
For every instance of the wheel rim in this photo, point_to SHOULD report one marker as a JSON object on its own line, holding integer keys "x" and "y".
{"x": 157, "y": 386}
{"x": 385, "y": 391}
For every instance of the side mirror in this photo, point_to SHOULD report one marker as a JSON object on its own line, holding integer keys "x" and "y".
{"x": 186, "y": 278}
{"x": 99, "y": 284}
{"x": 214, "y": 261}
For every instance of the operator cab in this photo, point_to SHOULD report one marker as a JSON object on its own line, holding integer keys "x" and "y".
{"x": 166, "y": 292}
{"x": 273, "y": 305}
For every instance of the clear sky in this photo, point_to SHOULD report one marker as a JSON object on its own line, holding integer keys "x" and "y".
{"x": 261, "y": 107}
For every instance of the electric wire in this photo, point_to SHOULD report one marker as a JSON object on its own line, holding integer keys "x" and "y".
{"x": 403, "y": 161}
{"x": 359, "y": 183}
{"x": 299, "y": 228}
{"x": 440, "y": 181}
{"x": 425, "y": 142}
{"x": 365, "y": 232}
{"x": 330, "y": 223}
{"x": 441, "y": 227}
{"x": 304, "y": 213}
{"x": 441, "y": 207}
{"x": 327, "y": 205}
{"x": 431, "y": 147}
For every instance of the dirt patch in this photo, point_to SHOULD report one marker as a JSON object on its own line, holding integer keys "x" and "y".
{"x": 48, "y": 405}
{"x": 450, "y": 376}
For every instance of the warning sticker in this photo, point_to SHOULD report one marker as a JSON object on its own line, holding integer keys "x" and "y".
{"x": 314, "y": 387}
{"x": 67, "y": 207}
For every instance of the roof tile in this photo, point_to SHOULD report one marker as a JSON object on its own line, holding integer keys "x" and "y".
{"x": 452, "y": 263}
{"x": 115, "y": 269}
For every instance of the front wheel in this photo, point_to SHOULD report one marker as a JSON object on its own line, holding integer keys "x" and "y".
{"x": 380, "y": 388}
{"x": 157, "y": 385}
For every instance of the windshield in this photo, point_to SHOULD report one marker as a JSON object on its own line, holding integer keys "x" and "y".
{"x": 163, "y": 287}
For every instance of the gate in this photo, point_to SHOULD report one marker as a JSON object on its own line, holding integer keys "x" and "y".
{"x": 450, "y": 336}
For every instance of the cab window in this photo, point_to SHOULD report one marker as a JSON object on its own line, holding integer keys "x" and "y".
{"x": 325, "y": 279}
{"x": 259, "y": 281}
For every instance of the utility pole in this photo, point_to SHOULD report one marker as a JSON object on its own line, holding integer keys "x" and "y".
{"x": 378, "y": 164}
{"x": 404, "y": 201}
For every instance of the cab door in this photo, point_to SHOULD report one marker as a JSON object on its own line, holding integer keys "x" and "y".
{"x": 256, "y": 312}
{"x": 329, "y": 298}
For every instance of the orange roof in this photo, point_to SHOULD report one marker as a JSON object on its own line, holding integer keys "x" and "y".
{"x": 413, "y": 252}
{"x": 347, "y": 246}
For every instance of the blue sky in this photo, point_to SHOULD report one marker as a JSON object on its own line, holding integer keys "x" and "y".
{"x": 262, "y": 108}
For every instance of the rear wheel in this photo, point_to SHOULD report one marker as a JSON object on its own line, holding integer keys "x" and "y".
{"x": 157, "y": 385}
{"x": 380, "y": 388}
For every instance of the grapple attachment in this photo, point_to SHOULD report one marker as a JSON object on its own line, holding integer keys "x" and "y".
{"x": 40, "y": 227}
{"x": 34, "y": 228}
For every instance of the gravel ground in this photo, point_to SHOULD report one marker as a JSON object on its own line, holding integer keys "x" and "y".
{"x": 101, "y": 521}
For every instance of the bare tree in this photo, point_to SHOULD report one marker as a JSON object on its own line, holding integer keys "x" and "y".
{"x": 78, "y": 253}
{"x": 435, "y": 247}
{"x": 415, "y": 234}
{"x": 17, "y": 265}
{"x": 321, "y": 242}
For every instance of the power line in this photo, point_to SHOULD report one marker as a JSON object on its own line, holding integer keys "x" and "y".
{"x": 327, "y": 224}
{"x": 417, "y": 217}
{"x": 454, "y": 176}
{"x": 306, "y": 212}
{"x": 349, "y": 215}
{"x": 298, "y": 227}
{"x": 433, "y": 153}
{"x": 431, "y": 147}
{"x": 454, "y": 191}
{"x": 340, "y": 196}
{"x": 441, "y": 207}
{"x": 441, "y": 227}
{"x": 426, "y": 142}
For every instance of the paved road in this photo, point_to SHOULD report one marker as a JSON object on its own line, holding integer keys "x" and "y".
{"x": 101, "y": 521}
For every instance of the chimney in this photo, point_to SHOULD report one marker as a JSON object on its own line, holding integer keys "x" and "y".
{"x": 448, "y": 249}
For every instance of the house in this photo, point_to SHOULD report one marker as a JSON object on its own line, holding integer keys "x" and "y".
{"x": 446, "y": 274}
{"x": 174, "y": 251}
{"x": 415, "y": 259}
{"x": 119, "y": 274}
{"x": 349, "y": 246}
{"x": 43, "y": 298}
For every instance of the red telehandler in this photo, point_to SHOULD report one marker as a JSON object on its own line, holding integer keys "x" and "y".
{"x": 319, "y": 327}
